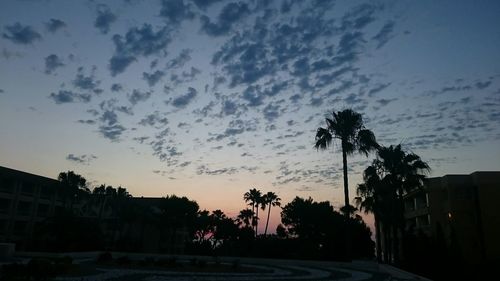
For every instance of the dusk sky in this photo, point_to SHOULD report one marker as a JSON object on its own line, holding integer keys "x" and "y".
{"x": 207, "y": 99}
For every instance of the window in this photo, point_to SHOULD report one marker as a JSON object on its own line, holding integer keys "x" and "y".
{"x": 7, "y": 185}
{"x": 3, "y": 227}
{"x": 20, "y": 227}
{"x": 23, "y": 208}
{"x": 4, "y": 205}
{"x": 28, "y": 188}
{"x": 46, "y": 192}
{"x": 43, "y": 210}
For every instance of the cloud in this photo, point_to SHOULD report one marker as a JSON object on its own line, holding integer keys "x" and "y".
{"x": 483, "y": 85}
{"x": 271, "y": 112}
{"x": 183, "y": 100}
{"x": 175, "y": 11}
{"x": 52, "y": 62}
{"x": 229, "y": 108}
{"x": 82, "y": 159}
{"x": 153, "y": 78}
{"x": 21, "y": 34}
{"x": 384, "y": 35}
{"x": 203, "y": 4}
{"x": 358, "y": 17}
{"x": 54, "y": 25}
{"x": 86, "y": 83}
{"x": 112, "y": 132}
{"x": 236, "y": 127}
{"x": 378, "y": 88}
{"x": 204, "y": 170}
{"x": 104, "y": 19}
{"x": 154, "y": 120}
{"x": 116, "y": 87}
{"x": 180, "y": 60}
{"x": 384, "y": 102}
{"x": 229, "y": 14}
{"x": 138, "y": 96}
{"x": 143, "y": 41}
{"x": 87, "y": 122}
{"x": 64, "y": 96}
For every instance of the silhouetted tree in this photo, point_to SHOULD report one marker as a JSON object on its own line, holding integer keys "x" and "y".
{"x": 269, "y": 199}
{"x": 347, "y": 126}
{"x": 246, "y": 216}
{"x": 393, "y": 173}
{"x": 321, "y": 231}
{"x": 74, "y": 186}
{"x": 254, "y": 198}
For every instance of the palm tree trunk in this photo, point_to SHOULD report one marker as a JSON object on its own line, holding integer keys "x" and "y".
{"x": 256, "y": 220}
{"x": 267, "y": 222}
{"x": 377, "y": 238}
{"x": 346, "y": 200}
{"x": 346, "y": 183}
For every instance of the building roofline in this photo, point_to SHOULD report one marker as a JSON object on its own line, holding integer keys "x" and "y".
{"x": 17, "y": 173}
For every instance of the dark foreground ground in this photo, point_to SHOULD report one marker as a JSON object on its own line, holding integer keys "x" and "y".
{"x": 92, "y": 266}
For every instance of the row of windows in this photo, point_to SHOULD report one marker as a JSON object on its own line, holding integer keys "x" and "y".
{"x": 9, "y": 186}
{"x": 24, "y": 208}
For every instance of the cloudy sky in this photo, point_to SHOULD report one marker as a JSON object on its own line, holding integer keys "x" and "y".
{"x": 208, "y": 99}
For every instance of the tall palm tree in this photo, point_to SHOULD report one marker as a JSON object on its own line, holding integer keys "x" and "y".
{"x": 372, "y": 198}
{"x": 347, "y": 126}
{"x": 393, "y": 173}
{"x": 254, "y": 198}
{"x": 269, "y": 199}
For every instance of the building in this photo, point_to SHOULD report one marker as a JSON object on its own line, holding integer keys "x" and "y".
{"x": 29, "y": 202}
{"x": 461, "y": 210}
{"x": 26, "y": 200}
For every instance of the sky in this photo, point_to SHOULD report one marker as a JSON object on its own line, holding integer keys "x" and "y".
{"x": 207, "y": 99}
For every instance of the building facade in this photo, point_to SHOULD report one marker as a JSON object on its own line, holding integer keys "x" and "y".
{"x": 26, "y": 200}
{"x": 460, "y": 210}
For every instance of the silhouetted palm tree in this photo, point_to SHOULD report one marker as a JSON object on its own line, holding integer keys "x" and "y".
{"x": 346, "y": 126}
{"x": 254, "y": 198}
{"x": 385, "y": 181}
{"x": 246, "y": 216}
{"x": 372, "y": 198}
{"x": 269, "y": 199}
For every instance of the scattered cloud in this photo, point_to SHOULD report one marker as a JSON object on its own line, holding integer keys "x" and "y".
{"x": 52, "y": 62}
{"x": 175, "y": 11}
{"x": 65, "y": 96}
{"x": 82, "y": 159}
{"x": 53, "y": 25}
{"x": 153, "y": 78}
{"x": 138, "y": 41}
{"x": 138, "y": 96}
{"x": 104, "y": 18}
{"x": 183, "y": 100}
{"x": 21, "y": 34}
{"x": 230, "y": 14}
{"x": 384, "y": 35}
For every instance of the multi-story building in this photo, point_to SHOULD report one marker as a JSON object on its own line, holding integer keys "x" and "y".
{"x": 26, "y": 200}
{"x": 462, "y": 210}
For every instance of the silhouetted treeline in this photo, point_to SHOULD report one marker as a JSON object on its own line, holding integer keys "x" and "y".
{"x": 108, "y": 218}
